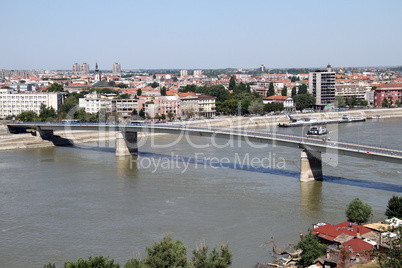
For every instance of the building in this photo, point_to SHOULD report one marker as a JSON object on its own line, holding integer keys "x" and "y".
{"x": 92, "y": 103}
{"x": 76, "y": 68}
{"x": 262, "y": 68}
{"x": 189, "y": 104}
{"x": 197, "y": 72}
{"x": 15, "y": 103}
{"x": 116, "y": 69}
{"x": 206, "y": 106}
{"x": 183, "y": 73}
{"x": 288, "y": 102}
{"x": 322, "y": 86}
{"x": 84, "y": 69}
{"x": 390, "y": 92}
{"x": 123, "y": 108}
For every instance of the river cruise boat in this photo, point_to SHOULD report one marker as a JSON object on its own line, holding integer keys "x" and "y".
{"x": 317, "y": 130}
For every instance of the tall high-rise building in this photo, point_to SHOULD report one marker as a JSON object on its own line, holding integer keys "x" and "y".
{"x": 76, "y": 68}
{"x": 84, "y": 68}
{"x": 116, "y": 69}
{"x": 197, "y": 72}
{"x": 262, "y": 68}
{"x": 322, "y": 85}
{"x": 183, "y": 73}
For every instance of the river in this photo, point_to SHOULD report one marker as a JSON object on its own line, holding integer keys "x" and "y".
{"x": 61, "y": 203}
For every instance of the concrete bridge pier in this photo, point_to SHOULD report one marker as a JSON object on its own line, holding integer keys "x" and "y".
{"x": 126, "y": 143}
{"x": 48, "y": 135}
{"x": 310, "y": 165}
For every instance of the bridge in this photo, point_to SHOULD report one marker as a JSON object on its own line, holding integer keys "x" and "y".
{"x": 311, "y": 148}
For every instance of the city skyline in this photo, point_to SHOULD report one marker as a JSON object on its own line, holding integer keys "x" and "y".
{"x": 207, "y": 35}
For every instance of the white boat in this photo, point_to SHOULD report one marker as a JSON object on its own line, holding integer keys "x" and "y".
{"x": 317, "y": 130}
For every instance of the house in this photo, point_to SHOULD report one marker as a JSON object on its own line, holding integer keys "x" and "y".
{"x": 288, "y": 102}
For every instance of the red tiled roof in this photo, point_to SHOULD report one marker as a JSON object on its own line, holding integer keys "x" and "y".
{"x": 357, "y": 245}
{"x": 330, "y": 232}
{"x": 276, "y": 98}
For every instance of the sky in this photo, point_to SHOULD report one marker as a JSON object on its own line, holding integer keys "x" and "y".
{"x": 191, "y": 34}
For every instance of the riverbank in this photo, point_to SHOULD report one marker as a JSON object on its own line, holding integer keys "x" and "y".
{"x": 262, "y": 121}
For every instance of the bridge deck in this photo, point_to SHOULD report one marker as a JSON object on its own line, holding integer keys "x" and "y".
{"x": 343, "y": 148}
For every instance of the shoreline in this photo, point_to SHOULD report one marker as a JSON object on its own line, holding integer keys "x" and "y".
{"x": 29, "y": 141}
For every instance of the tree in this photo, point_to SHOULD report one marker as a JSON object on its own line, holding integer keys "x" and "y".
{"x": 398, "y": 103}
{"x": 271, "y": 90}
{"x": 284, "y": 91}
{"x": 303, "y": 89}
{"x": 357, "y": 211}
{"x": 221, "y": 259}
{"x": 154, "y": 84}
{"x": 121, "y": 85}
{"x": 170, "y": 115}
{"x": 394, "y": 208}
{"x": 392, "y": 256}
{"x": 92, "y": 262}
{"x": 46, "y": 113}
{"x": 142, "y": 113}
{"x": 139, "y": 92}
{"x": 312, "y": 249}
{"x": 163, "y": 91}
{"x": 340, "y": 102}
{"x": 134, "y": 263}
{"x": 167, "y": 253}
{"x": 55, "y": 87}
{"x": 304, "y": 101}
{"x": 27, "y": 116}
{"x": 232, "y": 83}
{"x": 256, "y": 107}
{"x": 294, "y": 92}
{"x": 163, "y": 116}
{"x": 174, "y": 78}
{"x": 112, "y": 84}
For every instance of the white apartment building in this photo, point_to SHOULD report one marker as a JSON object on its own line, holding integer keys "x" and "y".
{"x": 116, "y": 68}
{"x": 183, "y": 73}
{"x": 84, "y": 68}
{"x": 92, "y": 103}
{"x": 206, "y": 106}
{"x": 76, "y": 68}
{"x": 15, "y": 103}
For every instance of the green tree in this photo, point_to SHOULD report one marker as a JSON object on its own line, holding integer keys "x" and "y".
{"x": 163, "y": 116}
{"x": 394, "y": 208}
{"x": 69, "y": 103}
{"x": 293, "y": 91}
{"x": 134, "y": 263}
{"x": 303, "y": 89}
{"x": 49, "y": 265}
{"x": 398, "y": 103}
{"x": 174, "y": 78}
{"x": 163, "y": 91}
{"x": 312, "y": 249}
{"x": 340, "y": 102}
{"x": 232, "y": 83}
{"x": 284, "y": 91}
{"x": 142, "y": 113}
{"x": 392, "y": 256}
{"x": 121, "y": 85}
{"x": 112, "y": 84}
{"x": 303, "y": 101}
{"x": 170, "y": 115}
{"x": 154, "y": 85}
{"x": 55, "y": 87}
{"x": 125, "y": 96}
{"x": 95, "y": 262}
{"x": 256, "y": 107}
{"x": 46, "y": 113}
{"x": 139, "y": 92}
{"x": 216, "y": 258}
{"x": 271, "y": 90}
{"x": 27, "y": 116}
{"x": 167, "y": 253}
{"x": 357, "y": 211}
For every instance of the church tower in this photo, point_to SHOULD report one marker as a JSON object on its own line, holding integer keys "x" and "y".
{"x": 97, "y": 73}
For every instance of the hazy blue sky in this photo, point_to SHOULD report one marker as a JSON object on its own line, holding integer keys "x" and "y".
{"x": 199, "y": 34}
